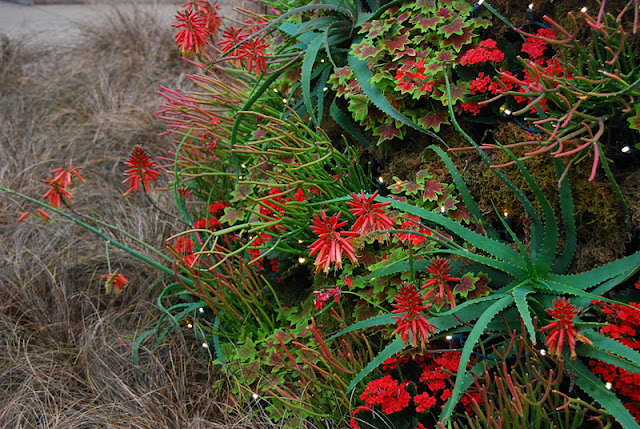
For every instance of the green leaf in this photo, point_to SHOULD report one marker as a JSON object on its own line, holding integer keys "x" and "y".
{"x": 595, "y": 388}
{"x": 391, "y": 350}
{"x": 568, "y": 221}
{"x": 383, "y": 319}
{"x": 347, "y": 124}
{"x": 359, "y": 106}
{"x": 307, "y": 67}
{"x": 363, "y": 76}
{"x": 520, "y": 298}
{"x": 609, "y": 345}
{"x": 469, "y": 345}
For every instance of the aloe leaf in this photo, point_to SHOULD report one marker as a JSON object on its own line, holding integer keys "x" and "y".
{"x": 613, "y": 349}
{"x": 383, "y": 319}
{"x": 363, "y": 75}
{"x": 514, "y": 270}
{"x": 319, "y": 91}
{"x": 568, "y": 222}
{"x": 392, "y": 349}
{"x": 307, "y": 66}
{"x": 594, "y": 387}
{"x": 396, "y": 267}
{"x": 347, "y": 123}
{"x": 461, "y": 186}
{"x": 622, "y": 268}
{"x": 492, "y": 247}
{"x": 469, "y": 345}
{"x": 520, "y": 298}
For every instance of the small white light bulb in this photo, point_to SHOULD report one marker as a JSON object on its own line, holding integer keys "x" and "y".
{"x": 480, "y": 2}
{"x": 507, "y": 112}
{"x": 325, "y": 89}
{"x": 299, "y": 241}
{"x": 189, "y": 325}
{"x": 608, "y": 385}
{"x": 322, "y": 60}
{"x": 543, "y": 352}
{"x": 530, "y": 6}
{"x": 442, "y": 209}
{"x": 302, "y": 260}
{"x": 506, "y": 214}
{"x": 584, "y": 9}
{"x": 243, "y": 166}
{"x": 205, "y": 345}
{"x": 626, "y": 149}
{"x": 275, "y": 90}
{"x": 449, "y": 337}
{"x": 201, "y": 310}
{"x": 380, "y": 179}
{"x": 255, "y": 396}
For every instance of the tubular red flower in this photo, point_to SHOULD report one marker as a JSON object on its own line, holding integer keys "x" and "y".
{"x": 116, "y": 282}
{"x": 331, "y": 243}
{"x": 58, "y": 192}
{"x": 140, "y": 171}
{"x": 193, "y": 36}
{"x": 440, "y": 268}
{"x": 563, "y": 328}
{"x": 371, "y": 216}
{"x": 409, "y": 303}
{"x": 253, "y": 51}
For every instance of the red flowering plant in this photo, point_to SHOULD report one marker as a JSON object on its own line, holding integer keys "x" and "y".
{"x": 559, "y": 91}
{"x": 402, "y": 57}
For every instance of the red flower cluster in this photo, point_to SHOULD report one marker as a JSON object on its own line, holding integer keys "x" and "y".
{"x": 63, "y": 179}
{"x": 563, "y": 328}
{"x": 409, "y": 304}
{"x": 325, "y": 295}
{"x": 486, "y": 51}
{"x": 198, "y": 21}
{"x": 245, "y": 46}
{"x": 371, "y": 217}
{"x": 412, "y": 76}
{"x": 386, "y": 392}
{"x": 412, "y": 223}
{"x": 116, "y": 282}
{"x": 534, "y": 46}
{"x": 331, "y": 243}
{"x": 624, "y": 326}
{"x": 274, "y": 207}
{"x": 440, "y": 267}
{"x": 140, "y": 170}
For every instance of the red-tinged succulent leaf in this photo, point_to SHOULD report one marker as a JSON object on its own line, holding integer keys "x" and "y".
{"x": 411, "y": 188}
{"x": 466, "y": 285}
{"x": 454, "y": 27}
{"x": 459, "y": 40}
{"x": 482, "y": 287}
{"x": 422, "y": 176}
{"x": 358, "y": 106}
{"x": 425, "y": 23}
{"x": 446, "y": 57}
{"x": 444, "y": 12}
{"x": 432, "y": 188}
{"x": 397, "y": 43}
{"x": 387, "y": 132}
{"x": 365, "y": 50}
{"x": 634, "y": 121}
{"x": 434, "y": 119}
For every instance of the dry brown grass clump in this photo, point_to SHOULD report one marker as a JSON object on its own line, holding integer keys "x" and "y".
{"x": 65, "y": 345}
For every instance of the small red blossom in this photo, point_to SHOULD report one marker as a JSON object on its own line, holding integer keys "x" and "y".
{"x": 331, "y": 243}
{"x": 471, "y": 107}
{"x": 412, "y": 223}
{"x": 480, "y": 84}
{"x": 209, "y": 11}
{"x": 534, "y": 46}
{"x": 371, "y": 217}
{"x": 140, "y": 170}
{"x": 562, "y": 328}
{"x": 486, "y": 51}
{"x": 231, "y": 37}
{"x": 116, "y": 282}
{"x": 325, "y": 295}
{"x": 424, "y": 402}
{"x": 194, "y": 32}
{"x": 410, "y": 303}
{"x": 440, "y": 267}
{"x": 67, "y": 175}
{"x": 386, "y": 392}
{"x": 58, "y": 192}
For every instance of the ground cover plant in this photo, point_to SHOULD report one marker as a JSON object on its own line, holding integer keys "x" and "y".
{"x": 331, "y": 287}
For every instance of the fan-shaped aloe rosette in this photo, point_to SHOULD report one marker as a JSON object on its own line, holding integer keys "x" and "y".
{"x": 526, "y": 280}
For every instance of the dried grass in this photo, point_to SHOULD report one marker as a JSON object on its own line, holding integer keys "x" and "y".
{"x": 66, "y": 346}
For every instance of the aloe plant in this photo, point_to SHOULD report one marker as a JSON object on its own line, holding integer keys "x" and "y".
{"x": 534, "y": 276}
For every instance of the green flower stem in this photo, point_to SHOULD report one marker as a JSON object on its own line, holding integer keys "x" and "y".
{"x": 99, "y": 233}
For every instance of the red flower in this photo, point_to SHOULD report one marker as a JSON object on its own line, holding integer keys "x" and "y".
{"x": 207, "y": 11}
{"x": 116, "y": 282}
{"x": 66, "y": 175}
{"x": 409, "y": 303}
{"x": 534, "y": 46}
{"x": 325, "y": 295}
{"x": 471, "y": 107}
{"x": 386, "y": 392}
{"x": 480, "y": 84}
{"x": 562, "y": 328}
{"x": 440, "y": 268}
{"x": 253, "y": 51}
{"x": 412, "y": 224}
{"x": 58, "y": 192}
{"x": 423, "y": 402}
{"x": 371, "y": 216}
{"x": 140, "y": 171}
{"x": 331, "y": 243}
{"x": 193, "y": 36}
{"x": 231, "y": 37}
{"x": 487, "y": 50}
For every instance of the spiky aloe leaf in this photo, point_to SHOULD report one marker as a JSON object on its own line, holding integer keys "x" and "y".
{"x": 363, "y": 75}
{"x": 568, "y": 221}
{"x": 307, "y": 66}
{"x": 615, "y": 352}
{"x": 478, "y": 328}
{"x": 392, "y": 349}
{"x": 520, "y": 297}
{"x": 594, "y": 387}
{"x": 347, "y": 124}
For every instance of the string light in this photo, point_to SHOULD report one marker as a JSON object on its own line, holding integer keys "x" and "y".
{"x": 275, "y": 90}
{"x": 584, "y": 9}
{"x": 322, "y": 60}
{"x": 325, "y": 89}
{"x": 608, "y": 385}
{"x": 299, "y": 241}
{"x": 380, "y": 179}
{"x": 530, "y": 6}
{"x": 284, "y": 101}
{"x": 243, "y": 166}
{"x": 626, "y": 149}
{"x": 254, "y": 396}
{"x": 507, "y": 112}
{"x": 543, "y": 352}
{"x": 449, "y": 337}
{"x": 302, "y": 260}
{"x": 506, "y": 214}
{"x": 205, "y": 345}
{"x": 442, "y": 209}
{"x": 201, "y": 310}
{"x": 189, "y": 325}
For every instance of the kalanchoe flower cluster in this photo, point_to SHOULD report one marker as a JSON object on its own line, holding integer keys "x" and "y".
{"x": 486, "y": 51}
{"x": 140, "y": 171}
{"x": 412, "y": 223}
{"x": 563, "y": 328}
